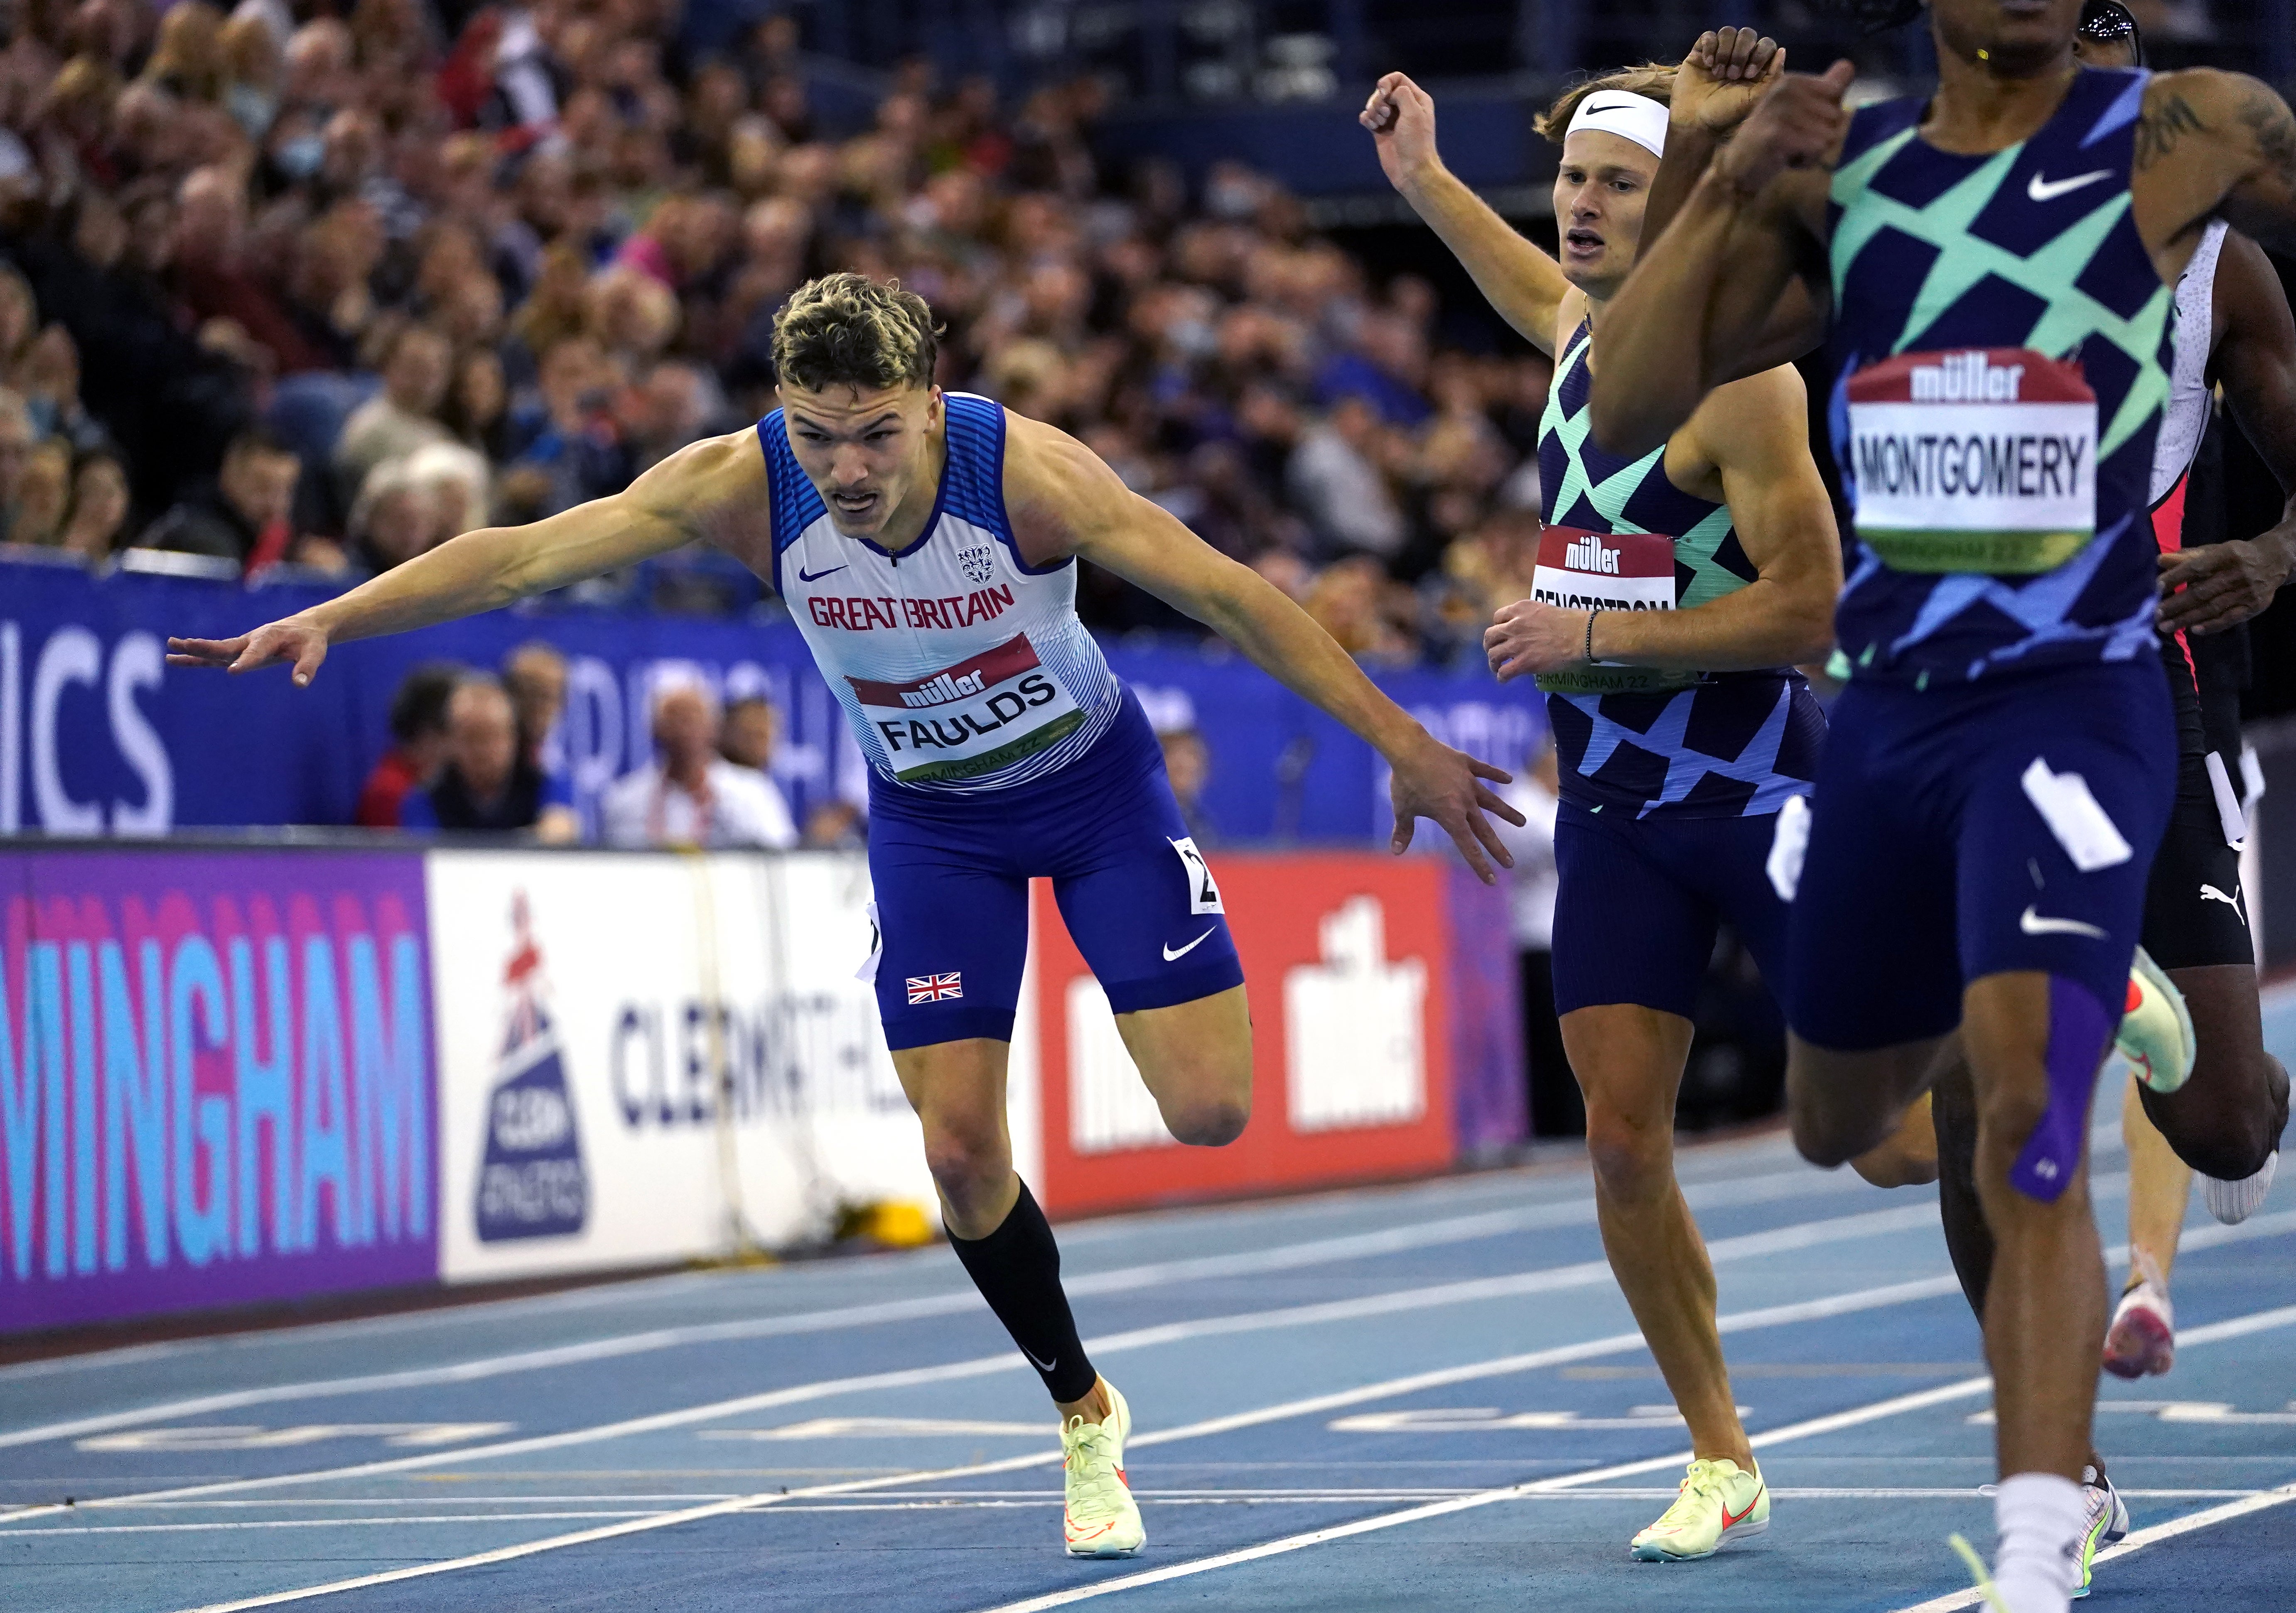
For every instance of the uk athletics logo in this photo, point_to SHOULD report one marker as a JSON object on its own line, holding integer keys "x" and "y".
{"x": 532, "y": 1182}
{"x": 936, "y": 988}
{"x": 979, "y": 563}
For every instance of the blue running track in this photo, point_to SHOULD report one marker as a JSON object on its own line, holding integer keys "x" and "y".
{"x": 1419, "y": 1398}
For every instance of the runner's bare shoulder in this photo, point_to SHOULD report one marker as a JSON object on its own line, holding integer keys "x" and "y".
{"x": 717, "y": 489}
{"x": 1057, "y": 491}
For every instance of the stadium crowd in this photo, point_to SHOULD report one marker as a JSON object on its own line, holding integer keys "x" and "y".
{"x": 283, "y": 286}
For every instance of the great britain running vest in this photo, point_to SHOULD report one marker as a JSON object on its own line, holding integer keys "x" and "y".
{"x": 1619, "y": 535}
{"x": 961, "y": 668}
{"x": 2000, "y": 351}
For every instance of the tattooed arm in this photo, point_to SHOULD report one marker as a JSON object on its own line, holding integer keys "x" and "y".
{"x": 2212, "y": 144}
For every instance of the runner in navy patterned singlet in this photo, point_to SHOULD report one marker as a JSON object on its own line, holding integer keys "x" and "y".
{"x": 1674, "y": 594}
{"x": 1993, "y": 267}
{"x": 927, "y": 544}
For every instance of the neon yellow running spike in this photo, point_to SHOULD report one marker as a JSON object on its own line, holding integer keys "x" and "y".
{"x": 2156, "y": 1031}
{"x": 1720, "y": 1501}
{"x": 1983, "y": 1574}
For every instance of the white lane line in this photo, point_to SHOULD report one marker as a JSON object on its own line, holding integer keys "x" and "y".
{"x": 2258, "y": 1501}
{"x": 1769, "y": 1317}
{"x": 2237, "y": 1327}
{"x": 1832, "y": 1305}
{"x": 233, "y": 1523}
{"x": 1721, "y": 1188}
{"x": 1457, "y": 1229}
{"x": 1723, "y": 1251}
{"x": 1788, "y": 1238}
{"x": 1482, "y": 1498}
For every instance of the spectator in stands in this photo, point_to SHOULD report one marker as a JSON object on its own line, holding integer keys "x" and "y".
{"x": 392, "y": 520}
{"x": 690, "y": 795}
{"x": 47, "y": 376}
{"x": 418, "y": 743}
{"x": 486, "y": 786}
{"x": 216, "y": 280}
{"x": 569, "y": 439}
{"x": 245, "y": 515}
{"x": 836, "y": 826}
{"x": 1188, "y": 761}
{"x": 404, "y": 415}
{"x": 477, "y": 404}
{"x": 16, "y": 440}
{"x": 99, "y": 506}
{"x": 43, "y": 496}
{"x": 535, "y": 673}
{"x": 751, "y": 731}
{"x": 1339, "y": 475}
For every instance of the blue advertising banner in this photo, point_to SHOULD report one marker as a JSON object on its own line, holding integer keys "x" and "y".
{"x": 98, "y": 735}
{"x": 217, "y": 1084}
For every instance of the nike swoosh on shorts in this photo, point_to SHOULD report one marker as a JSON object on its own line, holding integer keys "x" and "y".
{"x": 2038, "y": 189}
{"x": 1170, "y": 954}
{"x": 2033, "y": 925}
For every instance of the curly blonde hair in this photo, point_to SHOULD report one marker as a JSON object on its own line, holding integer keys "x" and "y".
{"x": 848, "y": 331}
{"x": 1654, "y": 80}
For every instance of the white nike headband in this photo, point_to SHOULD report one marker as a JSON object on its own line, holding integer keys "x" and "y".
{"x": 1630, "y": 117}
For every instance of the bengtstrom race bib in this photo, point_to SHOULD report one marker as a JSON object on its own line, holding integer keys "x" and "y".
{"x": 1579, "y": 570}
{"x": 977, "y": 716}
{"x": 1982, "y": 460}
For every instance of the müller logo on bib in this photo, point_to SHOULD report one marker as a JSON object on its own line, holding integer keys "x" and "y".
{"x": 972, "y": 719}
{"x": 1982, "y": 460}
{"x": 1582, "y": 570}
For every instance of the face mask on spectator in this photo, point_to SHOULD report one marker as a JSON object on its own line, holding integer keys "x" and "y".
{"x": 299, "y": 156}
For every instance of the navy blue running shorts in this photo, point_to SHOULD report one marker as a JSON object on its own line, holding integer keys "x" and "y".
{"x": 1639, "y": 899}
{"x": 951, "y": 876}
{"x": 1956, "y": 832}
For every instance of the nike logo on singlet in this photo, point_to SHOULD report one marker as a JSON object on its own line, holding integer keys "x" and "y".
{"x": 2049, "y": 190}
{"x": 805, "y": 576}
{"x": 1169, "y": 954}
{"x": 2033, "y": 925}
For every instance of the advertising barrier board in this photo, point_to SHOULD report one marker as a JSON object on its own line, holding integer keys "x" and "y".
{"x": 235, "y": 1077}
{"x": 654, "y": 1057}
{"x": 215, "y": 1080}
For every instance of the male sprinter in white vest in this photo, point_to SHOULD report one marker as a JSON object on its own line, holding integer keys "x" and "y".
{"x": 926, "y": 544}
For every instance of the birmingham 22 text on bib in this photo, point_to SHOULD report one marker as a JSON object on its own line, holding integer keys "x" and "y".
{"x": 1580, "y": 570}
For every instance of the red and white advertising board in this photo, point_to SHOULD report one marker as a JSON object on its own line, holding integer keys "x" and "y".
{"x": 1347, "y": 966}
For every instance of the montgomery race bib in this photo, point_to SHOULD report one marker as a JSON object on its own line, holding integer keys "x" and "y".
{"x": 1982, "y": 460}
{"x": 1578, "y": 570}
{"x": 977, "y": 716}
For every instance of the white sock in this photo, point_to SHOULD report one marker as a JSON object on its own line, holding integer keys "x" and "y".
{"x": 2036, "y": 1557}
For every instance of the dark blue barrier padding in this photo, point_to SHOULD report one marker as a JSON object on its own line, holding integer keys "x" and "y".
{"x": 97, "y": 735}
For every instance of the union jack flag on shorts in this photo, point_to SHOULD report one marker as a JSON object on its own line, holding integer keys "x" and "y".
{"x": 934, "y": 988}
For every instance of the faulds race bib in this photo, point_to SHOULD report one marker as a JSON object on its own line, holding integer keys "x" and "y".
{"x": 977, "y": 716}
{"x": 1982, "y": 460}
{"x": 1611, "y": 571}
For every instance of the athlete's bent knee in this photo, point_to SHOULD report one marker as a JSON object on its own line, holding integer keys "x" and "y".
{"x": 1211, "y": 1122}
{"x": 1892, "y": 1165}
{"x": 2227, "y": 1118}
{"x": 2042, "y": 1115}
{"x": 970, "y": 1161}
{"x": 1631, "y": 1153}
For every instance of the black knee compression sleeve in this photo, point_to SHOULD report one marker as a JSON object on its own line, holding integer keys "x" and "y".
{"x": 1017, "y": 1268}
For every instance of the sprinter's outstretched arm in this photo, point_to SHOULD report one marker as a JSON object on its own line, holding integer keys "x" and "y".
{"x": 707, "y": 490}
